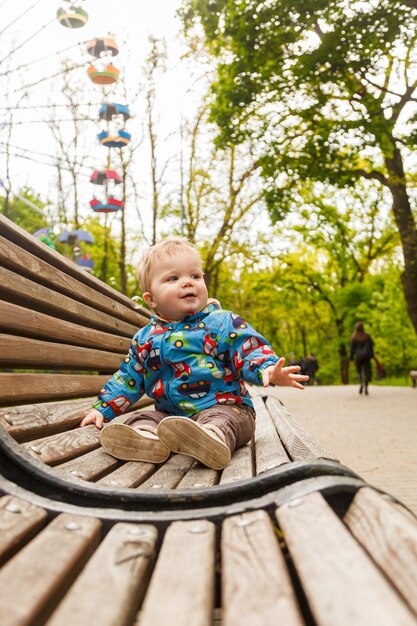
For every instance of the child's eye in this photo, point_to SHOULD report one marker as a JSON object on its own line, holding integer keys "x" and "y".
{"x": 196, "y": 276}
{"x": 172, "y": 278}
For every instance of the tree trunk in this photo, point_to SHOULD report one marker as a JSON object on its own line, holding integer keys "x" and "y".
{"x": 122, "y": 259}
{"x": 6, "y": 203}
{"x": 103, "y": 274}
{"x": 407, "y": 230}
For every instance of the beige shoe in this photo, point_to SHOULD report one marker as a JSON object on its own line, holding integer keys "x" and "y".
{"x": 183, "y": 435}
{"x": 125, "y": 443}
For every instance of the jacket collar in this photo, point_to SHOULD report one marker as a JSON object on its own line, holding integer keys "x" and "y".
{"x": 212, "y": 305}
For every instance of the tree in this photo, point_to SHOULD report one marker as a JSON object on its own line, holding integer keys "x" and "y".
{"x": 71, "y": 158}
{"x": 155, "y": 65}
{"x": 222, "y": 197}
{"x": 327, "y": 89}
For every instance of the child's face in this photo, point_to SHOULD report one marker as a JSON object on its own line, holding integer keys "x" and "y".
{"x": 177, "y": 287}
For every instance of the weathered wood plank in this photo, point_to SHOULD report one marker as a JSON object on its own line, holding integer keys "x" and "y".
{"x": 21, "y": 289}
{"x": 23, "y": 239}
{"x": 240, "y": 467}
{"x": 342, "y": 585}
{"x": 25, "y": 263}
{"x": 256, "y": 586}
{"x": 64, "y": 446}
{"x": 389, "y": 536}
{"x": 34, "y": 580}
{"x": 89, "y": 466}
{"x": 298, "y": 442}
{"x": 168, "y": 475}
{"x": 18, "y": 388}
{"x": 199, "y": 476}
{"x": 19, "y": 522}
{"x": 30, "y": 323}
{"x": 23, "y": 352}
{"x": 31, "y": 421}
{"x": 130, "y": 474}
{"x": 109, "y": 588}
{"x": 182, "y": 585}
{"x": 269, "y": 451}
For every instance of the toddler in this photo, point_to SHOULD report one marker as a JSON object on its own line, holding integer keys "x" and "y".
{"x": 192, "y": 358}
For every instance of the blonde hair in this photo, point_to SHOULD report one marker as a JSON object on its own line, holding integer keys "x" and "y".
{"x": 169, "y": 247}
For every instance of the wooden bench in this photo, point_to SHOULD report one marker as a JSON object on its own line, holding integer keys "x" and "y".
{"x": 413, "y": 376}
{"x": 284, "y": 534}
{"x": 299, "y": 565}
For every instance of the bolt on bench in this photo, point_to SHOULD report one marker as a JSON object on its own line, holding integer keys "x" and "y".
{"x": 285, "y": 534}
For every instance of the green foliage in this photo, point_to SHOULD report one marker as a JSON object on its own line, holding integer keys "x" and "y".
{"x": 22, "y": 214}
{"x": 310, "y": 82}
{"x": 387, "y": 320}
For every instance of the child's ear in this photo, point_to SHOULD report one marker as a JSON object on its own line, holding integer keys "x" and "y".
{"x": 149, "y": 299}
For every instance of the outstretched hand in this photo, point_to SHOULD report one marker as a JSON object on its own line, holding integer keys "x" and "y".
{"x": 283, "y": 376}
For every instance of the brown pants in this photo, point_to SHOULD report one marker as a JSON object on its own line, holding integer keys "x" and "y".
{"x": 237, "y": 423}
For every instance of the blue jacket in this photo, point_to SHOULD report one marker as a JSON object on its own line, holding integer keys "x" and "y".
{"x": 190, "y": 365}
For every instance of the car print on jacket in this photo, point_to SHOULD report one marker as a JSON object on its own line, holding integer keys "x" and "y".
{"x": 118, "y": 405}
{"x": 238, "y": 322}
{"x": 195, "y": 390}
{"x": 227, "y": 398}
{"x": 154, "y": 361}
{"x": 181, "y": 370}
{"x": 125, "y": 381}
{"x": 179, "y": 339}
{"x": 210, "y": 344}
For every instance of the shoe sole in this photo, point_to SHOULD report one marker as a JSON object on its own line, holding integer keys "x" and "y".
{"x": 184, "y": 436}
{"x": 126, "y": 444}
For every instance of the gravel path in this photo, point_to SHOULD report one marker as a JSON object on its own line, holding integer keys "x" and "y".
{"x": 375, "y": 435}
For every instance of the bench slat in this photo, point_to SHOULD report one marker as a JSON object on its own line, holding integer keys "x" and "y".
{"x": 90, "y": 466}
{"x": 108, "y": 590}
{"x": 19, "y": 522}
{"x": 33, "y": 581}
{"x": 342, "y": 585}
{"x": 199, "y": 476}
{"x": 29, "y": 421}
{"x": 22, "y": 352}
{"x": 23, "y": 239}
{"x": 240, "y": 467}
{"x": 182, "y": 585}
{"x": 256, "y": 586}
{"x": 298, "y": 442}
{"x": 269, "y": 450}
{"x": 25, "y": 388}
{"x": 26, "y": 264}
{"x": 21, "y": 289}
{"x": 390, "y": 537}
{"x": 64, "y": 446}
{"x": 168, "y": 475}
{"x": 130, "y": 474}
{"x": 27, "y": 322}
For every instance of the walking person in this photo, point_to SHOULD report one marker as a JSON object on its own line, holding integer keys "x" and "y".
{"x": 362, "y": 351}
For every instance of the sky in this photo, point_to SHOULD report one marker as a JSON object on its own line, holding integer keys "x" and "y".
{"x": 32, "y": 37}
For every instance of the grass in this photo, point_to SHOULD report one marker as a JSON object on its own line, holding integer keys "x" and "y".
{"x": 397, "y": 381}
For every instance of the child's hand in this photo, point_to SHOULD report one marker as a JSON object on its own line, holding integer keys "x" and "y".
{"x": 283, "y": 376}
{"x": 93, "y": 417}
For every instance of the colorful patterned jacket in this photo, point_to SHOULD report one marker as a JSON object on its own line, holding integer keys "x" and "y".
{"x": 190, "y": 365}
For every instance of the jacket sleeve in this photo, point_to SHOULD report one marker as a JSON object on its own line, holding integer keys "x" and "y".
{"x": 125, "y": 387}
{"x": 250, "y": 353}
